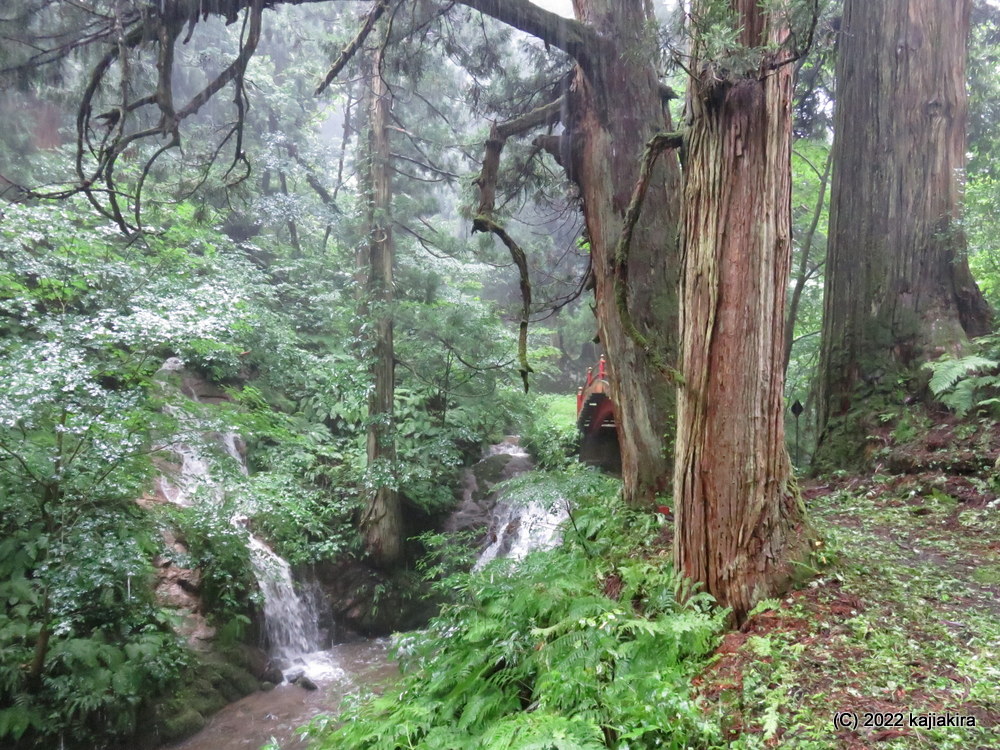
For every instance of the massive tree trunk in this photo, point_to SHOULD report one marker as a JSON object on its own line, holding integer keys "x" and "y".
{"x": 612, "y": 110}
{"x": 898, "y": 288}
{"x": 739, "y": 518}
{"x": 382, "y": 521}
{"x": 615, "y": 108}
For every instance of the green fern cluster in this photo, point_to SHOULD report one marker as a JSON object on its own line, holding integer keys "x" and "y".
{"x": 539, "y": 655}
{"x": 968, "y": 383}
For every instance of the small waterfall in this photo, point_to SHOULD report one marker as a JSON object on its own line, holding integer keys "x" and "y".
{"x": 193, "y": 475}
{"x": 519, "y": 528}
{"x": 290, "y": 616}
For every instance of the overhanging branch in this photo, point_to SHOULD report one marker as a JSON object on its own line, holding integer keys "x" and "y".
{"x": 576, "y": 39}
{"x": 547, "y": 114}
{"x": 486, "y": 181}
{"x": 485, "y": 224}
{"x": 348, "y": 52}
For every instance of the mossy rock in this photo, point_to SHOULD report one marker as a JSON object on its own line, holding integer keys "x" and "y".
{"x": 239, "y": 678}
{"x": 223, "y": 686}
{"x": 182, "y": 724}
{"x": 210, "y": 686}
{"x": 204, "y": 697}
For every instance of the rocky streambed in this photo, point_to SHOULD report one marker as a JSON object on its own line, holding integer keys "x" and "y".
{"x": 274, "y": 715}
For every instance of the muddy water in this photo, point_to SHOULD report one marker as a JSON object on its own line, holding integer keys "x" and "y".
{"x": 250, "y": 723}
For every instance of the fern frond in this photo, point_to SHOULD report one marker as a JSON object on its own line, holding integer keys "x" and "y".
{"x": 947, "y": 372}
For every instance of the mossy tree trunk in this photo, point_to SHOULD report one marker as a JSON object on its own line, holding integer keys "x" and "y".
{"x": 382, "y": 521}
{"x": 616, "y": 108}
{"x": 739, "y": 519}
{"x": 611, "y": 110}
{"x": 898, "y": 288}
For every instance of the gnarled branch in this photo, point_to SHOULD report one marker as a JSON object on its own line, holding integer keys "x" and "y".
{"x": 485, "y": 224}
{"x": 348, "y": 52}
{"x": 486, "y": 181}
{"x": 656, "y": 146}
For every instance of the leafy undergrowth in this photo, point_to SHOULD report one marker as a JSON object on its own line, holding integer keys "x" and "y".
{"x": 585, "y": 646}
{"x": 907, "y": 622}
{"x": 580, "y": 647}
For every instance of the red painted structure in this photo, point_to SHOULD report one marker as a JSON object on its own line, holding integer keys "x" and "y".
{"x": 595, "y": 418}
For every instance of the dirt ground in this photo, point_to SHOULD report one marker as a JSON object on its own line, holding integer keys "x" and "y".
{"x": 897, "y": 632}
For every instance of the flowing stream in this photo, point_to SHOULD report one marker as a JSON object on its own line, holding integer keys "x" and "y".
{"x": 518, "y": 528}
{"x": 274, "y": 715}
{"x": 291, "y": 617}
{"x": 291, "y": 612}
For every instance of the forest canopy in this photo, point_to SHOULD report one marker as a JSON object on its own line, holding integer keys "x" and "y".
{"x": 274, "y": 274}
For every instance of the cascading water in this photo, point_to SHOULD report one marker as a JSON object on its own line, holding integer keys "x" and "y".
{"x": 519, "y": 528}
{"x": 290, "y": 616}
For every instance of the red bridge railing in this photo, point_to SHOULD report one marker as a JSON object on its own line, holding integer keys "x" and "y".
{"x": 595, "y": 383}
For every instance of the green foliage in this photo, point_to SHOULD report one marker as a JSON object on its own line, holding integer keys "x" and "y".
{"x": 968, "y": 383}
{"x": 551, "y": 435}
{"x": 86, "y": 318}
{"x": 219, "y": 550}
{"x": 304, "y": 523}
{"x": 584, "y": 646}
{"x": 85, "y": 592}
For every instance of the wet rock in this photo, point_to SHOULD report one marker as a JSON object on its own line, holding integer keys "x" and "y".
{"x": 251, "y": 658}
{"x": 272, "y": 674}
{"x": 361, "y": 601}
{"x": 300, "y": 678}
{"x": 198, "y": 389}
{"x": 240, "y": 679}
{"x": 182, "y": 724}
{"x": 478, "y": 500}
{"x": 190, "y": 580}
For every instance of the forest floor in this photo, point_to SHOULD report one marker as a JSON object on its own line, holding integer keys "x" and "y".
{"x": 900, "y": 631}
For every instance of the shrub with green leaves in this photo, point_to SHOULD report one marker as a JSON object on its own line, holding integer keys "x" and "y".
{"x": 551, "y": 435}
{"x": 304, "y": 524}
{"x": 86, "y": 318}
{"x": 583, "y": 646}
{"x": 968, "y": 383}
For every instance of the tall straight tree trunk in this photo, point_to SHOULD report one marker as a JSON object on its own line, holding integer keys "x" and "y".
{"x": 616, "y": 107}
{"x": 382, "y": 522}
{"x": 898, "y": 288}
{"x": 739, "y": 518}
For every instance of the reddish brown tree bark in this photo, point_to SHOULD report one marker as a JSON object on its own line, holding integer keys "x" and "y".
{"x": 739, "y": 520}
{"x": 617, "y": 108}
{"x": 613, "y": 108}
{"x": 382, "y": 521}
